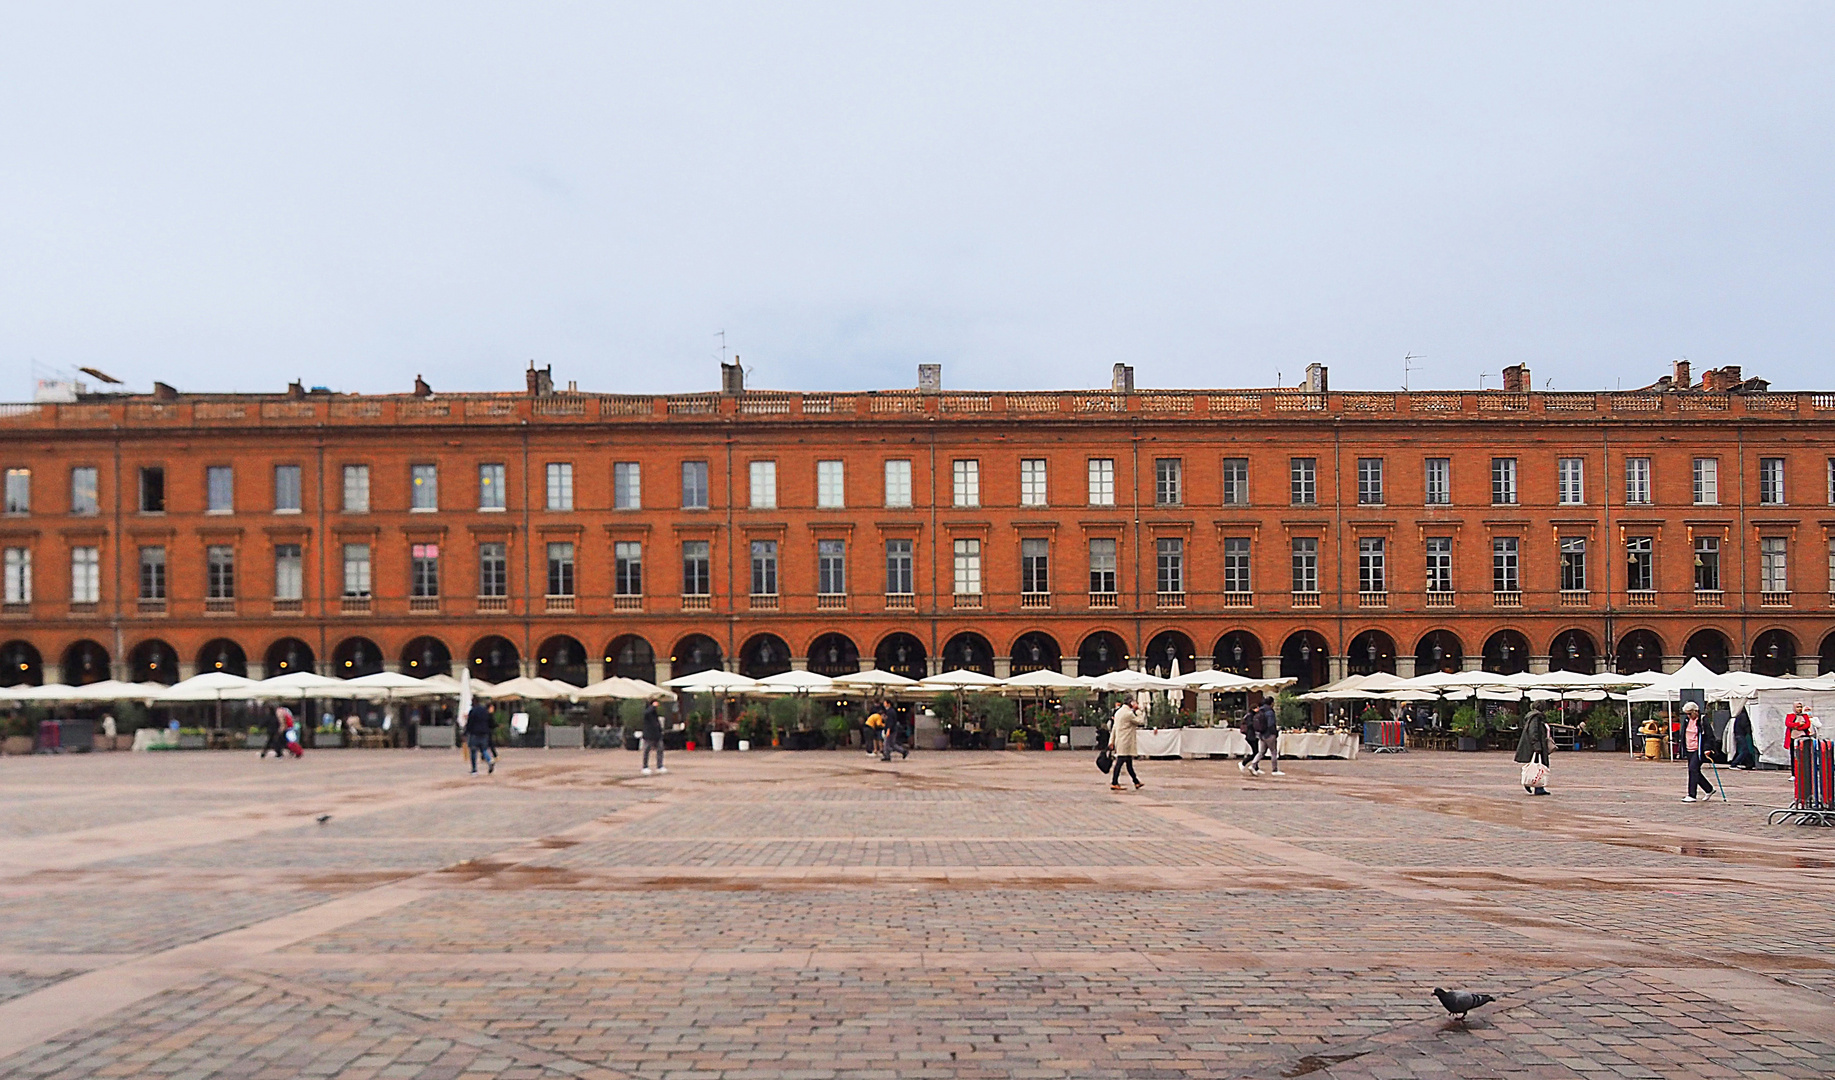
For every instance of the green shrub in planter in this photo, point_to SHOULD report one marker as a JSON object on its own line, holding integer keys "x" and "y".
{"x": 836, "y": 728}
{"x": 1291, "y": 711}
{"x": 1604, "y": 721}
{"x": 1468, "y": 723}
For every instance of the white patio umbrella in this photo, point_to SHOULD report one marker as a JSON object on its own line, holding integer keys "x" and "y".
{"x": 443, "y": 684}
{"x": 531, "y": 689}
{"x": 621, "y": 688}
{"x": 391, "y": 685}
{"x": 47, "y": 692}
{"x": 875, "y": 679}
{"x": 961, "y": 679}
{"x": 210, "y": 686}
{"x": 1130, "y": 681}
{"x": 1044, "y": 679}
{"x": 796, "y": 682}
{"x": 301, "y": 684}
{"x": 713, "y": 681}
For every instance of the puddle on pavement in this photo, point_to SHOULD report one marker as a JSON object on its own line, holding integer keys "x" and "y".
{"x": 1313, "y": 1063}
{"x": 553, "y": 842}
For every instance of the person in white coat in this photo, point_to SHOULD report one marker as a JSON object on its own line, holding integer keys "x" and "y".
{"x": 1124, "y": 743}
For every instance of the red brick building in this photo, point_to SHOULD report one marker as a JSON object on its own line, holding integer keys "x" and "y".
{"x": 573, "y": 534}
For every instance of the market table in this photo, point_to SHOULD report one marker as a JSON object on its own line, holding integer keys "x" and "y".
{"x": 1203, "y": 742}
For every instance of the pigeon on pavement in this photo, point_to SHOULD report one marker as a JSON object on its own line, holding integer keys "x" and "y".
{"x": 1460, "y": 1002}
{"x": 323, "y": 818}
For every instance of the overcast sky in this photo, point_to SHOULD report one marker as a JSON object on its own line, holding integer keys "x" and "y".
{"x": 231, "y": 196}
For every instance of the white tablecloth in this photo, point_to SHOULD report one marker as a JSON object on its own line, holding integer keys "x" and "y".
{"x": 1202, "y": 742}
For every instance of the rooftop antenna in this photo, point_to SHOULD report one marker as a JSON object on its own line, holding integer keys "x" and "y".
{"x": 722, "y": 336}
{"x": 1481, "y": 379}
{"x": 1408, "y": 365}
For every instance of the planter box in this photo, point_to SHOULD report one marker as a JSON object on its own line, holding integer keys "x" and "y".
{"x": 563, "y": 738}
{"x": 1609, "y": 744}
{"x": 440, "y": 736}
{"x": 192, "y": 742}
{"x": 1467, "y": 744}
{"x": 18, "y": 744}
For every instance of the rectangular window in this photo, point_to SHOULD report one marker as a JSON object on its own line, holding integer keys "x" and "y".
{"x": 560, "y": 569}
{"x": 1102, "y": 566}
{"x": 1771, "y": 481}
{"x": 18, "y": 575}
{"x": 424, "y": 570}
{"x": 286, "y": 489}
{"x": 627, "y": 485}
{"x": 493, "y": 569}
{"x": 1832, "y": 481}
{"x": 1169, "y": 564}
{"x": 1032, "y": 482}
{"x": 898, "y": 567}
{"x": 1306, "y": 564}
{"x": 697, "y": 568}
{"x": 220, "y": 572}
{"x": 220, "y": 489}
{"x": 1168, "y": 481}
{"x": 289, "y": 572}
{"x": 356, "y": 489}
{"x": 152, "y": 489}
{"x": 1439, "y": 564}
{"x": 968, "y": 568}
{"x": 1570, "y": 481}
{"x": 1640, "y": 571}
{"x": 560, "y": 485}
{"x": 1236, "y": 481}
{"x": 1573, "y": 564}
{"x": 1035, "y": 566}
{"x": 153, "y": 573}
{"x": 1303, "y": 474}
{"x": 356, "y": 570}
{"x": 423, "y": 488}
{"x": 83, "y": 498}
{"x": 831, "y": 567}
{"x": 1707, "y": 564}
{"x": 1504, "y": 577}
{"x": 898, "y": 483}
{"x": 1236, "y": 564}
{"x": 1707, "y": 481}
{"x": 967, "y": 482}
{"x": 1637, "y": 481}
{"x": 831, "y": 485}
{"x": 628, "y": 568}
{"x": 1102, "y": 481}
{"x": 1773, "y": 576}
{"x": 85, "y": 575}
{"x": 18, "y": 491}
{"x": 1372, "y": 567}
{"x": 764, "y": 567}
{"x": 492, "y": 492}
{"x": 1370, "y": 482}
{"x": 764, "y": 485}
{"x": 1439, "y": 481}
{"x": 694, "y": 485}
{"x": 1503, "y": 481}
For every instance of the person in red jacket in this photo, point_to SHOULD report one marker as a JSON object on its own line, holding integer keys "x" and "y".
{"x": 1800, "y": 723}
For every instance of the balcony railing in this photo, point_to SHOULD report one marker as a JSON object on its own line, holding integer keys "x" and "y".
{"x": 1105, "y": 599}
{"x": 1710, "y": 598}
{"x": 493, "y": 605}
{"x": 152, "y": 606}
{"x": 1641, "y": 598}
{"x": 83, "y": 607}
{"x": 1506, "y": 598}
{"x": 967, "y": 601}
{"x": 1238, "y": 599}
{"x": 16, "y": 609}
{"x": 697, "y": 602}
{"x": 1169, "y": 600}
{"x": 559, "y": 603}
{"x": 220, "y": 605}
{"x": 628, "y": 602}
{"x": 292, "y": 605}
{"x": 764, "y": 601}
{"x": 836, "y": 601}
{"x": 1305, "y": 599}
{"x": 901, "y": 601}
{"x": 1035, "y": 600}
{"x": 1441, "y": 599}
{"x": 1373, "y": 599}
{"x": 1774, "y": 599}
{"x": 1575, "y": 598}
{"x": 354, "y": 605}
{"x": 423, "y": 605}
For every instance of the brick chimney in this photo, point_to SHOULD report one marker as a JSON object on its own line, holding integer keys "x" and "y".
{"x": 1679, "y": 375}
{"x": 1516, "y": 379}
{"x": 1318, "y": 379}
{"x": 421, "y": 389}
{"x": 541, "y": 380}
{"x": 296, "y": 389}
{"x": 1121, "y": 380}
{"x": 1721, "y": 380}
{"x": 162, "y": 392}
{"x": 732, "y": 377}
{"x": 930, "y": 378}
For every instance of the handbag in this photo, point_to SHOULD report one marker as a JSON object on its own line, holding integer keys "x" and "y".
{"x": 1535, "y": 774}
{"x": 1104, "y": 761}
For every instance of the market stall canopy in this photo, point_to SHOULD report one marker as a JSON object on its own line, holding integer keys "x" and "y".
{"x": 875, "y": 678}
{"x": 529, "y": 689}
{"x": 623, "y": 689}
{"x": 713, "y": 681}
{"x": 1695, "y": 675}
{"x": 961, "y": 679}
{"x": 210, "y": 686}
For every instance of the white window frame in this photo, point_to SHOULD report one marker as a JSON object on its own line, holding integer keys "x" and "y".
{"x": 695, "y": 485}
{"x": 1102, "y": 481}
{"x": 1303, "y": 481}
{"x": 898, "y": 482}
{"x": 288, "y": 489}
{"x": 356, "y": 489}
{"x": 1503, "y": 484}
{"x": 85, "y": 499}
{"x": 1774, "y": 564}
{"x": 560, "y": 486}
{"x": 967, "y": 577}
{"x": 1570, "y": 481}
{"x": 1637, "y": 481}
{"x": 423, "y": 488}
{"x": 761, "y": 484}
{"x": 965, "y": 482}
{"x": 85, "y": 574}
{"x": 831, "y": 485}
{"x": 1771, "y": 483}
{"x": 627, "y": 485}
{"x": 493, "y": 487}
{"x": 831, "y": 567}
{"x": 219, "y": 489}
{"x": 627, "y": 568}
{"x": 1437, "y": 481}
{"x": 1032, "y": 482}
{"x": 1707, "y": 481}
{"x": 289, "y": 572}
{"x": 18, "y": 575}
{"x": 19, "y": 490}
{"x": 1370, "y": 483}
{"x": 359, "y": 576}
{"x": 1236, "y": 481}
{"x": 1169, "y": 481}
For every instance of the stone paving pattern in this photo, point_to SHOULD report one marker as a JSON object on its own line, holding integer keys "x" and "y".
{"x": 955, "y": 915}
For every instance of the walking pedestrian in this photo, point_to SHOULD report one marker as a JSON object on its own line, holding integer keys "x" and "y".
{"x": 890, "y": 742}
{"x": 1247, "y": 725}
{"x": 289, "y": 733}
{"x": 479, "y": 728}
{"x": 1124, "y": 741}
{"x": 652, "y": 736}
{"x": 876, "y": 734}
{"x": 1532, "y": 750}
{"x": 276, "y": 741}
{"x": 1745, "y": 750}
{"x": 1799, "y": 724}
{"x": 1696, "y": 746}
{"x": 1268, "y": 741}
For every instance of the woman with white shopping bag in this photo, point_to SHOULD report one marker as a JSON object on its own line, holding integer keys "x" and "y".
{"x": 1532, "y": 750}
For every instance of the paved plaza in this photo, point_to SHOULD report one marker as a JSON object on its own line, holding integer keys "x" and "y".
{"x": 955, "y": 915}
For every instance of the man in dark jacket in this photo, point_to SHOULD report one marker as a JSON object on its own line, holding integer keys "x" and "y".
{"x": 1533, "y": 746}
{"x": 652, "y": 737}
{"x": 1268, "y": 739}
{"x": 276, "y": 741}
{"x": 479, "y": 723}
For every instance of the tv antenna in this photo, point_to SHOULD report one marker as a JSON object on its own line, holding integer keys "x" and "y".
{"x": 1408, "y": 365}
{"x": 722, "y": 336}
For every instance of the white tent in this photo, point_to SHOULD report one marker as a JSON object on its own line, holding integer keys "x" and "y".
{"x": 796, "y": 682}
{"x": 1770, "y": 706}
{"x": 1044, "y": 679}
{"x": 875, "y": 679}
{"x": 622, "y": 688}
{"x": 530, "y": 689}
{"x": 961, "y": 679}
{"x": 713, "y": 681}
{"x": 302, "y": 684}
{"x": 210, "y": 686}
{"x": 390, "y": 685}
{"x": 1129, "y": 681}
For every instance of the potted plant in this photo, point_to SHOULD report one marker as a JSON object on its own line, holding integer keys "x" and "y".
{"x": 1469, "y": 725}
{"x": 1292, "y": 713}
{"x": 193, "y": 738}
{"x": 1605, "y": 724}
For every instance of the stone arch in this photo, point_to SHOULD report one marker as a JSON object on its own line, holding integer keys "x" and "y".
{"x": 1774, "y": 652}
{"x": 1370, "y": 652}
{"x": 355, "y": 657}
{"x": 222, "y": 654}
{"x": 693, "y": 654}
{"x": 494, "y": 659}
{"x": 85, "y": 662}
{"x": 288, "y": 655}
{"x": 1035, "y": 650}
{"x": 424, "y": 656}
{"x": 1304, "y": 658}
{"x": 901, "y": 654}
{"x": 1166, "y": 648}
{"x": 1100, "y": 653}
{"x": 1239, "y": 652}
{"x": 968, "y": 651}
{"x": 1827, "y": 662}
{"x": 629, "y": 656}
{"x": 20, "y": 664}
{"x": 1711, "y": 647}
{"x": 153, "y": 660}
{"x": 1506, "y": 653}
{"x": 1573, "y": 650}
{"x": 1639, "y": 650}
{"x": 563, "y": 659}
{"x": 763, "y": 655}
{"x": 1439, "y": 650}
{"x": 834, "y": 654}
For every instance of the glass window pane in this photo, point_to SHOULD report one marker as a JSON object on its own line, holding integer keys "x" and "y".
{"x": 424, "y": 487}
{"x": 1102, "y": 481}
{"x": 83, "y": 498}
{"x": 627, "y": 485}
{"x": 18, "y": 491}
{"x": 694, "y": 485}
{"x": 491, "y": 492}
{"x": 898, "y": 483}
{"x": 1235, "y": 481}
{"x": 764, "y": 485}
{"x": 220, "y": 485}
{"x": 356, "y": 489}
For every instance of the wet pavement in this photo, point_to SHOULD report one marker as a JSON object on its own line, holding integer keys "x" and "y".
{"x": 954, "y": 915}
